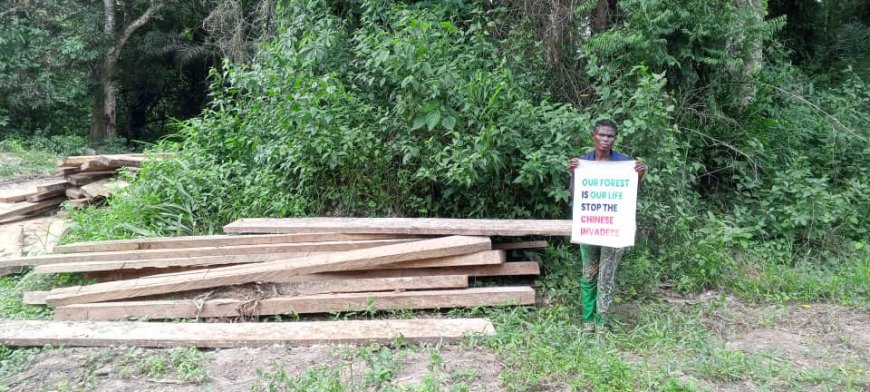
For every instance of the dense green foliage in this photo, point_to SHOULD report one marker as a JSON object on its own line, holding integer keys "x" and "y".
{"x": 386, "y": 109}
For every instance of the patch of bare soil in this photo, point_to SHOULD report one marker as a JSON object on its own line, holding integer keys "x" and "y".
{"x": 121, "y": 369}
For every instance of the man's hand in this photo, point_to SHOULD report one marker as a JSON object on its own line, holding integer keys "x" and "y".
{"x": 640, "y": 168}
{"x": 573, "y": 163}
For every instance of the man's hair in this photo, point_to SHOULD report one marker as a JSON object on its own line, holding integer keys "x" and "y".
{"x": 605, "y": 123}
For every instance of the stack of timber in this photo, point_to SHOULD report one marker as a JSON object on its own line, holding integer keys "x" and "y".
{"x": 83, "y": 180}
{"x": 297, "y": 266}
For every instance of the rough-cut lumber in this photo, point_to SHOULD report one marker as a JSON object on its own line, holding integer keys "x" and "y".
{"x": 67, "y": 170}
{"x": 52, "y": 186}
{"x": 74, "y": 193}
{"x": 80, "y": 179}
{"x": 212, "y": 240}
{"x": 321, "y": 303}
{"x": 224, "y": 276}
{"x": 228, "y": 335}
{"x": 38, "y": 197}
{"x": 10, "y": 270}
{"x": 34, "y": 297}
{"x": 479, "y": 258}
{"x": 520, "y": 245}
{"x": 119, "y": 161}
{"x": 514, "y": 268}
{"x": 417, "y": 226}
{"x": 94, "y": 266}
{"x": 373, "y": 284}
{"x": 16, "y": 195}
{"x": 97, "y": 189}
{"x": 95, "y": 166}
{"x": 80, "y": 159}
{"x": 28, "y": 208}
{"x": 298, "y": 247}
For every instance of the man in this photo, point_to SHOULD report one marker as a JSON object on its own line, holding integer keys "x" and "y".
{"x": 599, "y": 262}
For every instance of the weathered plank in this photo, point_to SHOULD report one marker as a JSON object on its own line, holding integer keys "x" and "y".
{"x": 95, "y": 166}
{"x": 28, "y": 208}
{"x": 80, "y": 179}
{"x": 52, "y": 186}
{"x": 34, "y": 297}
{"x": 479, "y": 258}
{"x": 67, "y": 170}
{"x": 38, "y": 197}
{"x": 228, "y": 335}
{"x": 297, "y": 247}
{"x": 224, "y": 276}
{"x": 514, "y": 268}
{"x": 119, "y": 161}
{"x": 320, "y": 303}
{"x": 75, "y": 193}
{"x": 80, "y": 159}
{"x": 417, "y": 226}
{"x": 212, "y": 240}
{"x": 16, "y": 195}
{"x": 520, "y": 245}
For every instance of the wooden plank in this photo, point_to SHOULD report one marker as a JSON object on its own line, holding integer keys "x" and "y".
{"x": 224, "y": 276}
{"x": 121, "y": 161}
{"x": 38, "y": 197}
{"x": 16, "y": 195}
{"x": 28, "y": 208}
{"x": 67, "y": 170}
{"x": 417, "y": 226}
{"x": 80, "y": 179}
{"x": 74, "y": 193}
{"x": 80, "y": 159}
{"x": 319, "y": 303}
{"x": 297, "y": 247}
{"x": 480, "y": 258}
{"x": 97, "y": 189}
{"x": 95, "y": 166}
{"x": 52, "y": 186}
{"x": 520, "y": 245}
{"x": 229, "y": 335}
{"x": 34, "y": 297}
{"x": 213, "y": 240}
{"x": 373, "y": 284}
{"x": 514, "y": 268}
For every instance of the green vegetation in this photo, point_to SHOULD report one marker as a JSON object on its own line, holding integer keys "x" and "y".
{"x": 185, "y": 363}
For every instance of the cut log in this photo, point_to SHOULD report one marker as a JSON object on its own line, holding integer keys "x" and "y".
{"x": 34, "y": 297}
{"x": 35, "y": 198}
{"x": 296, "y": 248}
{"x": 214, "y": 240}
{"x": 321, "y": 303}
{"x": 80, "y": 179}
{"x": 416, "y": 226}
{"x": 16, "y": 195}
{"x": 228, "y": 335}
{"x": 215, "y": 277}
{"x": 52, "y": 186}
{"x": 29, "y": 208}
{"x": 480, "y": 258}
{"x": 520, "y": 245}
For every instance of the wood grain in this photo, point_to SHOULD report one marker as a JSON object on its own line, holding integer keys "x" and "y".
{"x": 417, "y": 226}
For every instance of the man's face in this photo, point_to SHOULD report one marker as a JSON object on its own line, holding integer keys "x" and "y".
{"x": 603, "y": 137}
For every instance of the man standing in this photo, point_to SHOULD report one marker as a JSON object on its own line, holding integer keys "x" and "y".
{"x": 599, "y": 262}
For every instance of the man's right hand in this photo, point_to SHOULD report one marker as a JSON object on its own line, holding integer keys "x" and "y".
{"x": 573, "y": 163}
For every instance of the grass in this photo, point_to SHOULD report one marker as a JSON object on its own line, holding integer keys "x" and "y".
{"x": 18, "y": 161}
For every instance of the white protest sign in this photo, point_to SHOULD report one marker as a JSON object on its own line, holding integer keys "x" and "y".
{"x": 605, "y": 203}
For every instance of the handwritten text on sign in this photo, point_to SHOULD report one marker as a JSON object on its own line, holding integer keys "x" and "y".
{"x": 605, "y": 203}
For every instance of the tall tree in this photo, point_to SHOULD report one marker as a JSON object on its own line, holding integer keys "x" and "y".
{"x": 104, "y": 108}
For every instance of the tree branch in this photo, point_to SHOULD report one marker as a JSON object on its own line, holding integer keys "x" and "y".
{"x": 142, "y": 20}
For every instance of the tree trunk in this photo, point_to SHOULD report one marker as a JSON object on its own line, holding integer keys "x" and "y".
{"x": 104, "y": 109}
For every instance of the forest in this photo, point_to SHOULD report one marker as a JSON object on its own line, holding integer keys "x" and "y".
{"x": 752, "y": 115}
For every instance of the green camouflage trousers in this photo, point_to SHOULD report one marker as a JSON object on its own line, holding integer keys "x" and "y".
{"x": 597, "y": 282}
